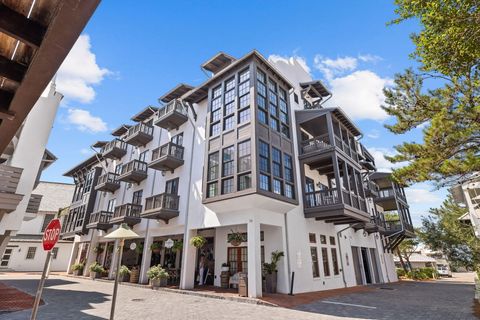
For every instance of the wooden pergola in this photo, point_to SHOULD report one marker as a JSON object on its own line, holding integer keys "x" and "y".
{"x": 35, "y": 38}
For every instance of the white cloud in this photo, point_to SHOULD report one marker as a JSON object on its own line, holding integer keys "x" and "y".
{"x": 85, "y": 151}
{"x": 369, "y": 58}
{"x": 360, "y": 94}
{"x": 382, "y": 164}
{"x": 84, "y": 121}
{"x": 290, "y": 60}
{"x": 422, "y": 196}
{"x": 373, "y": 134}
{"x": 80, "y": 72}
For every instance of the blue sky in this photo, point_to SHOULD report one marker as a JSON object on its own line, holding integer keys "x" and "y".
{"x": 132, "y": 52}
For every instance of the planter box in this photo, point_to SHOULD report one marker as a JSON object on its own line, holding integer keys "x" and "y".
{"x": 271, "y": 282}
{"x": 78, "y": 272}
{"x": 134, "y": 275}
{"x": 95, "y": 275}
{"x": 155, "y": 283}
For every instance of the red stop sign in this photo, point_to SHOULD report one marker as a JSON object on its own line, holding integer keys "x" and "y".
{"x": 51, "y": 235}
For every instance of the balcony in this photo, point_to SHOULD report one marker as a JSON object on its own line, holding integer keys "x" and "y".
{"x": 114, "y": 149}
{"x": 332, "y": 207}
{"x": 139, "y": 135}
{"x": 108, "y": 182}
{"x": 172, "y": 116}
{"x": 316, "y": 144}
{"x": 9, "y": 178}
{"x": 100, "y": 220}
{"x": 371, "y": 189}
{"x": 134, "y": 171}
{"x": 167, "y": 157}
{"x": 128, "y": 213}
{"x": 34, "y": 203}
{"x": 387, "y": 199}
{"x": 163, "y": 206}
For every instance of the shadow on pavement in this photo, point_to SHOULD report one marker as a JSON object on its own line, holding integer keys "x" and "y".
{"x": 60, "y": 303}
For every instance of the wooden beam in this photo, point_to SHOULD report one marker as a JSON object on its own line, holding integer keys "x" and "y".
{"x": 11, "y": 69}
{"x": 20, "y": 27}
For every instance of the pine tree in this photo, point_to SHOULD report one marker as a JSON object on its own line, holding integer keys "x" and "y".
{"x": 448, "y": 52}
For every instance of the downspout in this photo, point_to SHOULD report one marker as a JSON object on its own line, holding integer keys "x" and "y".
{"x": 340, "y": 250}
{"x": 289, "y": 268}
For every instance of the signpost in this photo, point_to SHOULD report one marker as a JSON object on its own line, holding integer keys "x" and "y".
{"x": 50, "y": 238}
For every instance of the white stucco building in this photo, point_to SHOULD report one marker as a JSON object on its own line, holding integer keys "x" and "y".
{"x": 24, "y": 252}
{"x": 251, "y": 151}
{"x": 22, "y": 163}
{"x": 467, "y": 193}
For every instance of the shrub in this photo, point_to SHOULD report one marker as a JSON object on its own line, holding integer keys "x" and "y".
{"x": 431, "y": 273}
{"x": 96, "y": 267}
{"x": 401, "y": 272}
{"x": 157, "y": 272}
{"x": 123, "y": 271}
{"x": 177, "y": 246}
{"x": 77, "y": 266}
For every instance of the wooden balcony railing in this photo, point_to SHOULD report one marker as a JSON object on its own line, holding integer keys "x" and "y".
{"x": 386, "y": 193}
{"x": 9, "y": 178}
{"x": 168, "y": 149}
{"x": 173, "y": 106}
{"x": 109, "y": 177}
{"x": 321, "y": 198}
{"x": 101, "y": 217}
{"x": 127, "y": 210}
{"x": 132, "y": 166}
{"x": 318, "y": 143}
{"x": 141, "y": 127}
{"x": 162, "y": 201}
{"x": 115, "y": 148}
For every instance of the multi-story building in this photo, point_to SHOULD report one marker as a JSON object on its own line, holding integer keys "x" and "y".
{"x": 251, "y": 151}
{"x": 24, "y": 252}
{"x": 467, "y": 193}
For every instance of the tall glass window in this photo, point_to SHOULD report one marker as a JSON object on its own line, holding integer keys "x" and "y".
{"x": 264, "y": 157}
{"x": 228, "y": 161}
{"x": 213, "y": 166}
{"x": 244, "y": 157}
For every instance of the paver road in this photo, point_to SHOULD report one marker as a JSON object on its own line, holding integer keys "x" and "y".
{"x": 68, "y": 298}
{"x": 444, "y": 299}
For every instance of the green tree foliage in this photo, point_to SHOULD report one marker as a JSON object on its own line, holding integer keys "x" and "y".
{"x": 405, "y": 250}
{"x": 442, "y": 231}
{"x": 448, "y": 52}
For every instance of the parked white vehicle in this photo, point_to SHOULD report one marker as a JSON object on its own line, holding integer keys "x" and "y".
{"x": 444, "y": 270}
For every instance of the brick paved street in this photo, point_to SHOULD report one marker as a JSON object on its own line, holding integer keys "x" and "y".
{"x": 84, "y": 299}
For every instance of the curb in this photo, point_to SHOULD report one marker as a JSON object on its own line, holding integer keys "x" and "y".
{"x": 185, "y": 292}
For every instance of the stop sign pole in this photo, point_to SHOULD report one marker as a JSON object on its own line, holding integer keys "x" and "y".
{"x": 50, "y": 238}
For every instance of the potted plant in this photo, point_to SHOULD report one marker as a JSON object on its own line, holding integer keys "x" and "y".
{"x": 270, "y": 271}
{"x": 177, "y": 246}
{"x": 96, "y": 270}
{"x": 158, "y": 276}
{"x": 110, "y": 247}
{"x": 156, "y": 247}
{"x": 124, "y": 272}
{"x": 134, "y": 274}
{"x": 77, "y": 269}
{"x": 225, "y": 267}
{"x": 98, "y": 249}
{"x": 235, "y": 238}
{"x": 139, "y": 248}
{"x": 198, "y": 241}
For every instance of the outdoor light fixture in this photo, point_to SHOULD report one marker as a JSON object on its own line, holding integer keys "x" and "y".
{"x": 121, "y": 233}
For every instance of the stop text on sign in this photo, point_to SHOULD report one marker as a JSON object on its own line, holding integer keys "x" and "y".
{"x": 51, "y": 235}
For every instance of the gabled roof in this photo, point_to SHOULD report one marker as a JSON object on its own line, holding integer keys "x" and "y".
{"x": 99, "y": 144}
{"x": 309, "y": 114}
{"x": 48, "y": 159}
{"x": 120, "y": 130}
{"x": 201, "y": 92}
{"x": 319, "y": 90}
{"x": 85, "y": 164}
{"x": 218, "y": 62}
{"x": 176, "y": 92}
{"x": 144, "y": 114}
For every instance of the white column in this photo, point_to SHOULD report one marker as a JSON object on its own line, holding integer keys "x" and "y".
{"x": 73, "y": 256}
{"x": 91, "y": 255}
{"x": 187, "y": 276}
{"x": 254, "y": 260}
{"x": 146, "y": 258}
